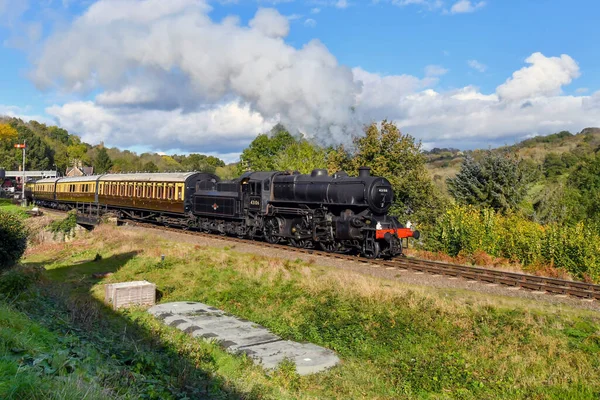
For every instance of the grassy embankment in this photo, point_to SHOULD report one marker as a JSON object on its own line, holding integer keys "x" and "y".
{"x": 394, "y": 341}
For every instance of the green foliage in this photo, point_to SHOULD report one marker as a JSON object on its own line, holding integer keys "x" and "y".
{"x": 496, "y": 181}
{"x": 103, "y": 163}
{"x": 150, "y": 167}
{"x": 16, "y": 280}
{"x": 13, "y": 239}
{"x": 553, "y": 165}
{"x": 262, "y": 152}
{"x": 466, "y": 229}
{"x": 397, "y": 157}
{"x": 199, "y": 162}
{"x": 302, "y": 156}
{"x": 64, "y": 226}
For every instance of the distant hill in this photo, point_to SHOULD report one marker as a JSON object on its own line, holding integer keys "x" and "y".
{"x": 51, "y": 147}
{"x": 445, "y": 163}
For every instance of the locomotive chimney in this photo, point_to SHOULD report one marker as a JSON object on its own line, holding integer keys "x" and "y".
{"x": 363, "y": 172}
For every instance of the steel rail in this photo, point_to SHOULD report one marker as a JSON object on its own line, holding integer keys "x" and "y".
{"x": 536, "y": 283}
{"x": 494, "y": 276}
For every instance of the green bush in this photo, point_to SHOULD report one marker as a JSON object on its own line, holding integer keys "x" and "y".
{"x": 16, "y": 280}
{"x": 66, "y": 225}
{"x": 467, "y": 229}
{"x": 13, "y": 239}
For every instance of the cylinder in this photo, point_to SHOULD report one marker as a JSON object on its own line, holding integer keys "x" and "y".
{"x": 364, "y": 172}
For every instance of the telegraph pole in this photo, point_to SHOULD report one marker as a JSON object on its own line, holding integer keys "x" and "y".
{"x": 23, "y": 199}
{"x": 22, "y": 146}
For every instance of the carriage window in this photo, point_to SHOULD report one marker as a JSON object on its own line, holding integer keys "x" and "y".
{"x": 159, "y": 192}
{"x": 130, "y": 189}
{"x": 139, "y": 190}
{"x": 170, "y": 192}
{"x": 267, "y": 185}
{"x": 122, "y": 189}
{"x": 179, "y": 193}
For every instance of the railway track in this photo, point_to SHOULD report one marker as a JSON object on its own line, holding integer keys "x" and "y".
{"x": 530, "y": 282}
{"x": 540, "y": 284}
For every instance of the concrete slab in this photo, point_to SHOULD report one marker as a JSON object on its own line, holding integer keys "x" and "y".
{"x": 238, "y": 335}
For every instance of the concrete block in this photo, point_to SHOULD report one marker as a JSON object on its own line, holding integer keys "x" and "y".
{"x": 130, "y": 293}
{"x": 238, "y": 335}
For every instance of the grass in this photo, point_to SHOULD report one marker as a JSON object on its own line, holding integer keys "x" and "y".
{"x": 8, "y": 206}
{"x": 395, "y": 341}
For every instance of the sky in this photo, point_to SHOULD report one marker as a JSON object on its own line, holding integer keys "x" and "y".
{"x": 207, "y": 76}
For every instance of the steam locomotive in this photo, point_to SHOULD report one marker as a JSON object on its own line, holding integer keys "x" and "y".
{"x": 336, "y": 213}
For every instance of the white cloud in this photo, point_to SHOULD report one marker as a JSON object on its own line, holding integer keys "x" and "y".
{"x": 582, "y": 90}
{"x": 310, "y": 23}
{"x": 315, "y": 10}
{"x": 427, "y": 4}
{"x": 476, "y": 65}
{"x": 544, "y": 77}
{"x": 341, "y": 3}
{"x": 225, "y": 128}
{"x": 466, "y": 6}
{"x": 119, "y": 47}
{"x": 23, "y": 113}
{"x": 435, "y": 70}
{"x": 166, "y": 76}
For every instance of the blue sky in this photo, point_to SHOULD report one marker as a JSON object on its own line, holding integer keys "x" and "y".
{"x": 393, "y": 58}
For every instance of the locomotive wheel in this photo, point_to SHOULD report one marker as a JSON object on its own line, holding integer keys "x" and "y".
{"x": 373, "y": 251}
{"x": 300, "y": 243}
{"x": 330, "y": 247}
{"x": 271, "y": 229}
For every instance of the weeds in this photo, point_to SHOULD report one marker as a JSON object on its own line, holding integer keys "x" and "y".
{"x": 394, "y": 341}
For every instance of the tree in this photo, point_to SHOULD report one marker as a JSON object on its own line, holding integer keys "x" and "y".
{"x": 150, "y": 167}
{"x": 260, "y": 155}
{"x": 103, "y": 162}
{"x": 398, "y": 158}
{"x": 13, "y": 239}
{"x": 554, "y": 165}
{"x": 495, "y": 181}
{"x": 7, "y": 132}
{"x": 302, "y": 156}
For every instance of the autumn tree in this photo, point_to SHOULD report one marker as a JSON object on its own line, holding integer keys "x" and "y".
{"x": 7, "y": 132}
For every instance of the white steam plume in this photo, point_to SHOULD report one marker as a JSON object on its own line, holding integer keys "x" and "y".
{"x": 116, "y": 45}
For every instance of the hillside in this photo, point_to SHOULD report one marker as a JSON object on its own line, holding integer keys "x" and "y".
{"x": 51, "y": 147}
{"x": 539, "y": 150}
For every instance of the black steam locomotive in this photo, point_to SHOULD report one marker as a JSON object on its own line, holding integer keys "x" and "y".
{"x": 335, "y": 213}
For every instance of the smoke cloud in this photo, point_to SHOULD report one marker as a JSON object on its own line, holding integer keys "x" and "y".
{"x": 170, "y": 54}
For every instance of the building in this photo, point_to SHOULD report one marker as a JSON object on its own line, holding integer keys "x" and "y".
{"x": 79, "y": 170}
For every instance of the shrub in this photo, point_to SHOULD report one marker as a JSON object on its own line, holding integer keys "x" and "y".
{"x": 66, "y": 225}
{"x": 13, "y": 239}
{"x": 467, "y": 230}
{"x": 16, "y": 280}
